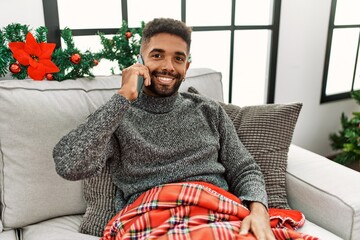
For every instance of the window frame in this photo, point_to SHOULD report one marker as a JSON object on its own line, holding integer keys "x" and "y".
{"x": 345, "y": 95}
{"x": 51, "y": 17}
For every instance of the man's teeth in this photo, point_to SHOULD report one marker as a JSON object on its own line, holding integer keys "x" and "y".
{"x": 165, "y": 79}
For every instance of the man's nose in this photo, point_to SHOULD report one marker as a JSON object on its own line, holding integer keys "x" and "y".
{"x": 168, "y": 65}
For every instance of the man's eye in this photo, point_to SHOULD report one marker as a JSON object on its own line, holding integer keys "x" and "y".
{"x": 180, "y": 59}
{"x": 157, "y": 56}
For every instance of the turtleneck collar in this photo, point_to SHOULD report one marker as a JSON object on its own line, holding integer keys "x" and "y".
{"x": 156, "y": 104}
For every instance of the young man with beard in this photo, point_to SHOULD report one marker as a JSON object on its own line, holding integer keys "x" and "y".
{"x": 161, "y": 136}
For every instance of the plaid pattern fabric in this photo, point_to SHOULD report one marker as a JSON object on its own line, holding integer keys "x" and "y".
{"x": 193, "y": 211}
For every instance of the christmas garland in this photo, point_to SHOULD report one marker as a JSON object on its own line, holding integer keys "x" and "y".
{"x": 24, "y": 54}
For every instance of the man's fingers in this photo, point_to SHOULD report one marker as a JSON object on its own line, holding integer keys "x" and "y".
{"x": 147, "y": 79}
{"x": 245, "y": 227}
{"x": 143, "y": 71}
{"x": 131, "y": 74}
{"x": 260, "y": 235}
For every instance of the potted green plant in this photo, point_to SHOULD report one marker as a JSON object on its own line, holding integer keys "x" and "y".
{"x": 347, "y": 140}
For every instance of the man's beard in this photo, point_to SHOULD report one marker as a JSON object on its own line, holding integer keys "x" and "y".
{"x": 164, "y": 90}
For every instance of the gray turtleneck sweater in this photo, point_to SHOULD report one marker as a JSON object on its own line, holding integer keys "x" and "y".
{"x": 152, "y": 141}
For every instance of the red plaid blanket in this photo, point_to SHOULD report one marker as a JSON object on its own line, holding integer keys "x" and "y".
{"x": 194, "y": 211}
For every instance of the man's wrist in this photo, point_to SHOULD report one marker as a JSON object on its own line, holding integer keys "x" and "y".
{"x": 127, "y": 95}
{"x": 257, "y": 206}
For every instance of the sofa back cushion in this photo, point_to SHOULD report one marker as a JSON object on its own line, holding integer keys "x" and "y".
{"x": 206, "y": 81}
{"x": 33, "y": 117}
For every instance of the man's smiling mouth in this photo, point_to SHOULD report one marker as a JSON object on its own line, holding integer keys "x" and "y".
{"x": 165, "y": 79}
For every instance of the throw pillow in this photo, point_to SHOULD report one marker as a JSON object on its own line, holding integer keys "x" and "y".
{"x": 99, "y": 194}
{"x": 266, "y": 131}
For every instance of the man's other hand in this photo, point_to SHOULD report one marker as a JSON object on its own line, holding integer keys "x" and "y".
{"x": 257, "y": 222}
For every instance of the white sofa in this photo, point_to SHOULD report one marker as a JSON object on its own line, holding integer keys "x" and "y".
{"x": 38, "y": 204}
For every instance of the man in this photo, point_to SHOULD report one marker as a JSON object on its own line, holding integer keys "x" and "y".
{"x": 161, "y": 136}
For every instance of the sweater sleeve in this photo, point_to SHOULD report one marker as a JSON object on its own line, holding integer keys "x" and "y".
{"x": 83, "y": 152}
{"x": 243, "y": 174}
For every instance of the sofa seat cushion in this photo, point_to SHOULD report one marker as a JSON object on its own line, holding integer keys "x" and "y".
{"x": 9, "y": 235}
{"x": 62, "y": 228}
{"x": 314, "y": 230}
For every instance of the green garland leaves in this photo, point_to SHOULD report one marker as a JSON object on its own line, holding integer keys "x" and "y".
{"x": 14, "y": 32}
{"x": 122, "y": 48}
{"x": 5, "y": 54}
{"x": 63, "y": 59}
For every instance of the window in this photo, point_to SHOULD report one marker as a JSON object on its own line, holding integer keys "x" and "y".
{"x": 241, "y": 35}
{"x": 342, "y": 63}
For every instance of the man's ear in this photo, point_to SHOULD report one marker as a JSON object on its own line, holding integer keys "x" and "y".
{"x": 187, "y": 65}
{"x": 188, "y": 61}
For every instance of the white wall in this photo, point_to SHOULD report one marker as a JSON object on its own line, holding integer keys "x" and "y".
{"x": 302, "y": 42}
{"x": 19, "y": 11}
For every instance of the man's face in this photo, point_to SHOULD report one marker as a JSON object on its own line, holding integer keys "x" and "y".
{"x": 166, "y": 57}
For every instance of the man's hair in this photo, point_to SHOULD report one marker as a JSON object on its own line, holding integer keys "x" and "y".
{"x": 166, "y": 25}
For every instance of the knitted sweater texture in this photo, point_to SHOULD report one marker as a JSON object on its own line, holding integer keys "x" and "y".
{"x": 153, "y": 141}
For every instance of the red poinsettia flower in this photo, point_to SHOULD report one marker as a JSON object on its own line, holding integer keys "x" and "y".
{"x": 35, "y": 55}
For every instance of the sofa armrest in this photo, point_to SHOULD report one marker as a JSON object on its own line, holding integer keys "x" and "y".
{"x": 326, "y": 192}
